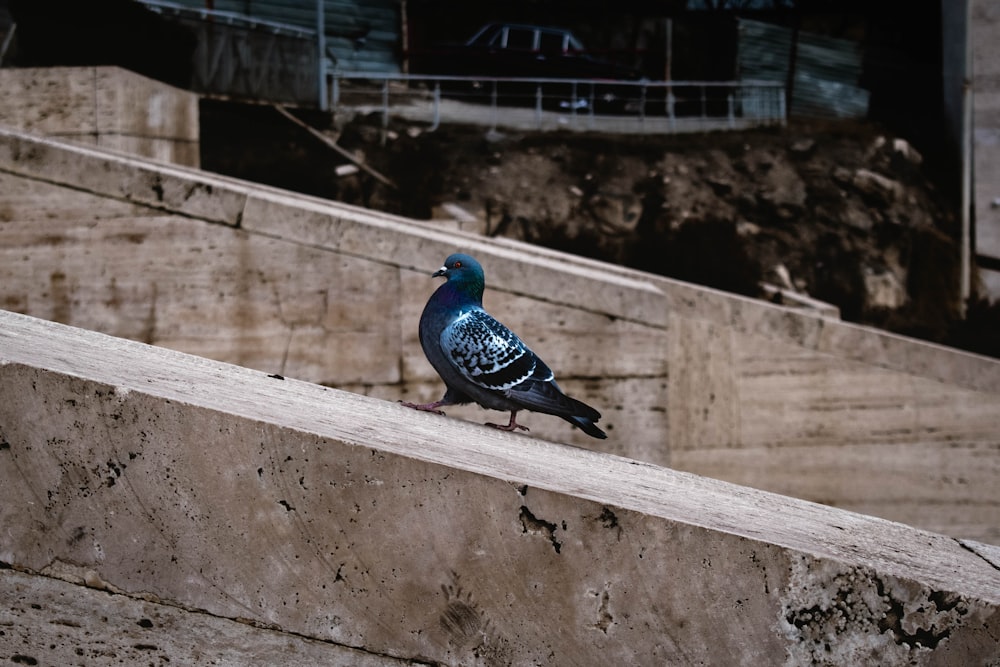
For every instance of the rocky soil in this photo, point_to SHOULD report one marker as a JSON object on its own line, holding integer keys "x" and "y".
{"x": 842, "y": 212}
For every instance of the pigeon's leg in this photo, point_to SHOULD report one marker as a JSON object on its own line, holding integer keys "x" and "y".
{"x": 511, "y": 425}
{"x": 426, "y": 407}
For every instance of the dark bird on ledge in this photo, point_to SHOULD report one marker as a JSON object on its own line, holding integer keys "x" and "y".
{"x": 482, "y": 361}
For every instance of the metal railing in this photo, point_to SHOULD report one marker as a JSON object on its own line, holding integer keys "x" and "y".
{"x": 573, "y": 104}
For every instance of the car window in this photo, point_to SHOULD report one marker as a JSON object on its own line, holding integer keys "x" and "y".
{"x": 551, "y": 42}
{"x": 520, "y": 39}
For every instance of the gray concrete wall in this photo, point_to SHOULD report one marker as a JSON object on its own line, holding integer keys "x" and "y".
{"x": 355, "y": 531}
{"x": 687, "y": 377}
{"x": 103, "y": 106}
{"x": 984, "y": 33}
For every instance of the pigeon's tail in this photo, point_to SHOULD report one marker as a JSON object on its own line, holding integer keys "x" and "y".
{"x": 587, "y": 426}
{"x": 546, "y": 396}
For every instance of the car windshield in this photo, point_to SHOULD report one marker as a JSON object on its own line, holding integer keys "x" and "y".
{"x": 489, "y": 35}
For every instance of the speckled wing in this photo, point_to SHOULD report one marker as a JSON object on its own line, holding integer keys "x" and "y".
{"x": 486, "y": 352}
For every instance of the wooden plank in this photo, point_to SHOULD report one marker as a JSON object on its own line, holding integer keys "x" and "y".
{"x": 330, "y": 143}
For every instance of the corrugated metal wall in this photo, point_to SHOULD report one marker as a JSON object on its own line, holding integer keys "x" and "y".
{"x": 826, "y": 70}
{"x": 984, "y": 31}
{"x": 267, "y": 65}
{"x": 362, "y": 35}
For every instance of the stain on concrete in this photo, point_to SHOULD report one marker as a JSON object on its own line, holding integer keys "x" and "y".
{"x": 609, "y": 520}
{"x": 604, "y": 618}
{"x": 468, "y": 629}
{"x": 59, "y": 293}
{"x": 157, "y": 188}
{"x": 461, "y": 621}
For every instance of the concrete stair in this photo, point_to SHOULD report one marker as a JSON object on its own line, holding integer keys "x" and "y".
{"x": 251, "y": 465}
{"x": 342, "y": 528}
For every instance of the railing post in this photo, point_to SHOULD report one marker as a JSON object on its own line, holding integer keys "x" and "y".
{"x": 572, "y": 103}
{"x": 493, "y": 106}
{"x": 437, "y": 106}
{"x": 538, "y": 106}
{"x": 592, "y": 105}
{"x": 324, "y": 103}
{"x": 385, "y": 109}
{"x": 670, "y": 108}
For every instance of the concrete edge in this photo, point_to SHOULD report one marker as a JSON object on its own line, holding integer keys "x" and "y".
{"x": 888, "y": 547}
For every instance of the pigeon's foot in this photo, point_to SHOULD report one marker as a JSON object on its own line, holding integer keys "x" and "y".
{"x": 424, "y": 407}
{"x": 509, "y": 426}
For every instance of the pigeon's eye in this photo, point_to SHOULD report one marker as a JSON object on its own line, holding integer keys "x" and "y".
{"x": 458, "y": 265}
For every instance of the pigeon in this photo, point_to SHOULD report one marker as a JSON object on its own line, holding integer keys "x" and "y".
{"x": 482, "y": 361}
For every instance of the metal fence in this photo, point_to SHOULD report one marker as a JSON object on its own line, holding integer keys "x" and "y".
{"x": 572, "y": 104}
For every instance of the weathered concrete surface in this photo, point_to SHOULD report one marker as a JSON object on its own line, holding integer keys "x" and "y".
{"x": 688, "y": 377}
{"x": 984, "y": 35}
{"x": 46, "y": 621}
{"x": 357, "y": 522}
{"x": 108, "y": 107}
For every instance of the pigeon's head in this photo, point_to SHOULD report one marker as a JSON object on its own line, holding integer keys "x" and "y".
{"x": 463, "y": 272}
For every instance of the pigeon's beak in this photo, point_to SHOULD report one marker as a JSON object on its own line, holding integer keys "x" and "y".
{"x": 443, "y": 271}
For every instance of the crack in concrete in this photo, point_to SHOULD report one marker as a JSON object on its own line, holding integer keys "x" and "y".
{"x": 534, "y": 525}
{"x": 974, "y": 547}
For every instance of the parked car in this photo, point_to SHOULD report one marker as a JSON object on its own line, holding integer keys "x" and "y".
{"x": 513, "y": 50}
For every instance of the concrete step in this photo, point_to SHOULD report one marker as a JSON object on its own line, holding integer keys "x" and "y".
{"x": 49, "y": 621}
{"x": 363, "y": 524}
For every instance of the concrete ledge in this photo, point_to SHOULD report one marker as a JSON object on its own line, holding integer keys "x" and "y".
{"x": 685, "y": 376}
{"x": 356, "y": 522}
{"x": 108, "y": 107}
